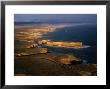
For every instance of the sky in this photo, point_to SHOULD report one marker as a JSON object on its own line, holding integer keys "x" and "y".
{"x": 55, "y": 18}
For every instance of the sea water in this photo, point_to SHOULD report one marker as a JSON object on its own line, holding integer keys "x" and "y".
{"x": 85, "y": 33}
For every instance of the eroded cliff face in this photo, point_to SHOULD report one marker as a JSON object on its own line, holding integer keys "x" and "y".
{"x": 58, "y": 43}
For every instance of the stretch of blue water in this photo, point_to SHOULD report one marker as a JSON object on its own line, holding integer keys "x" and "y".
{"x": 86, "y": 33}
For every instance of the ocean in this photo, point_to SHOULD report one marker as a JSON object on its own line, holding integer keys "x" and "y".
{"x": 86, "y": 33}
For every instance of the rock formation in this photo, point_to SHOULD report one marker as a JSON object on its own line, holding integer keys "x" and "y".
{"x": 66, "y": 59}
{"x": 41, "y": 50}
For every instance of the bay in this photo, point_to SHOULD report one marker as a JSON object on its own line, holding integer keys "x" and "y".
{"x": 86, "y": 33}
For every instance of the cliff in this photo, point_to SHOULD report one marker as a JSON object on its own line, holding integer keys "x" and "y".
{"x": 58, "y": 43}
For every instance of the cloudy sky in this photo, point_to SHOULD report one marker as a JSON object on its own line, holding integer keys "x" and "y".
{"x": 55, "y": 18}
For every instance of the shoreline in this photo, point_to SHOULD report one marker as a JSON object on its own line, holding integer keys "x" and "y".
{"x": 44, "y": 67}
{"x": 37, "y": 32}
{"x": 29, "y": 63}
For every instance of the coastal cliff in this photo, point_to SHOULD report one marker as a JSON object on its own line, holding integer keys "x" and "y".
{"x": 48, "y": 42}
{"x": 68, "y": 44}
{"x": 32, "y": 60}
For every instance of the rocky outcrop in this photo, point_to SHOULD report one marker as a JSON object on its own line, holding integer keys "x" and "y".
{"x": 32, "y": 46}
{"x": 41, "y": 50}
{"x": 23, "y": 54}
{"x": 61, "y": 43}
{"x": 66, "y": 59}
{"x": 58, "y": 43}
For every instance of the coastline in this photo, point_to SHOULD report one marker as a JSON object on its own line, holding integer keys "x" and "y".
{"x": 24, "y": 46}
